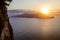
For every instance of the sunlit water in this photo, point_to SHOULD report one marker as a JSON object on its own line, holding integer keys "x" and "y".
{"x": 30, "y": 26}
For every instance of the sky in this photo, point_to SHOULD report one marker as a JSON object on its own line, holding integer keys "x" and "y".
{"x": 34, "y": 4}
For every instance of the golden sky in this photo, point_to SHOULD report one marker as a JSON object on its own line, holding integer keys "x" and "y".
{"x": 34, "y": 4}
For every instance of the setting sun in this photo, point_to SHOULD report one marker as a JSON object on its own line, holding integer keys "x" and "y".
{"x": 45, "y": 10}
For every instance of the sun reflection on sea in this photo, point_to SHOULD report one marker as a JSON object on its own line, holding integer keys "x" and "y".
{"x": 46, "y": 28}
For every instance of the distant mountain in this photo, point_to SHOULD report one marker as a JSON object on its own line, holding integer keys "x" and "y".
{"x": 26, "y": 14}
{"x": 14, "y": 11}
{"x": 20, "y": 12}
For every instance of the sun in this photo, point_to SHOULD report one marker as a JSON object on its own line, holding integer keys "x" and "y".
{"x": 45, "y": 10}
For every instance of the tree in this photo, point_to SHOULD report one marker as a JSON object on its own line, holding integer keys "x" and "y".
{"x": 6, "y": 31}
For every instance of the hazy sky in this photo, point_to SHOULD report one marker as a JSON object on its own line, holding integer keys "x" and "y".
{"x": 34, "y": 4}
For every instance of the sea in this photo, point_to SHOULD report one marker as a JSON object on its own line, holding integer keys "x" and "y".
{"x": 35, "y": 28}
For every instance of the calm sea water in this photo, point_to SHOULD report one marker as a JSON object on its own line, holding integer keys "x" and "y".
{"x": 33, "y": 26}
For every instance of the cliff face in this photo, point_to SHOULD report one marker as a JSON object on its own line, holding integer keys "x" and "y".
{"x": 6, "y": 32}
